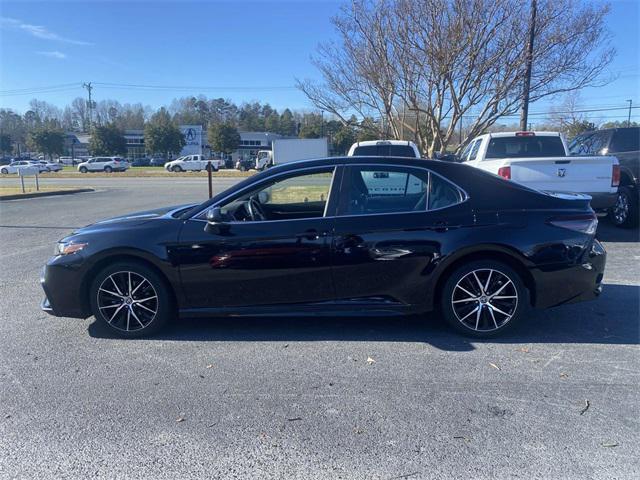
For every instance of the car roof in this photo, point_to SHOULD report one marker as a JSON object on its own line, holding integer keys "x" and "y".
{"x": 355, "y": 160}
{"x": 513, "y": 134}
{"x": 368, "y": 143}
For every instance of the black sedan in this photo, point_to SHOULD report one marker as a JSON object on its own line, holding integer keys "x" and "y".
{"x": 338, "y": 236}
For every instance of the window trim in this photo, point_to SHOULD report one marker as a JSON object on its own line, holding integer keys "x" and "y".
{"x": 339, "y": 170}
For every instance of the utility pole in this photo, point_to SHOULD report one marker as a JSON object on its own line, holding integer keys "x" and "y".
{"x": 629, "y": 118}
{"x": 90, "y": 104}
{"x": 524, "y": 113}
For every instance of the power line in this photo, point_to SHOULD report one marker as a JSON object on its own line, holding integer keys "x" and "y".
{"x": 192, "y": 87}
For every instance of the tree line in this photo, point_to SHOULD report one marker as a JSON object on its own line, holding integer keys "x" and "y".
{"x": 43, "y": 127}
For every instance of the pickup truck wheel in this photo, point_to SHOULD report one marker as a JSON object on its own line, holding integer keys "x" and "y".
{"x": 83, "y": 170}
{"x": 624, "y": 213}
{"x": 176, "y": 168}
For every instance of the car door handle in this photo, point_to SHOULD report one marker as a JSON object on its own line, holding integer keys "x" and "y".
{"x": 311, "y": 235}
{"x": 441, "y": 226}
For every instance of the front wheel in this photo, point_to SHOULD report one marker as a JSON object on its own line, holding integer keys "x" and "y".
{"x": 83, "y": 170}
{"x": 4, "y": 171}
{"x": 624, "y": 213}
{"x": 176, "y": 169}
{"x": 484, "y": 298}
{"x": 131, "y": 299}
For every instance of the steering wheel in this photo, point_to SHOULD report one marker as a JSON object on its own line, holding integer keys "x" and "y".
{"x": 254, "y": 209}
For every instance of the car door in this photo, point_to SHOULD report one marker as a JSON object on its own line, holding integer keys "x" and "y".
{"x": 284, "y": 259}
{"x": 386, "y": 239}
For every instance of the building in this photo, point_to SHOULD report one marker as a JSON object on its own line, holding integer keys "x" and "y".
{"x": 195, "y": 138}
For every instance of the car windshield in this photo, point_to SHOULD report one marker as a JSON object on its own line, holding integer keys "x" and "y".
{"x": 518, "y": 147}
{"x": 384, "y": 151}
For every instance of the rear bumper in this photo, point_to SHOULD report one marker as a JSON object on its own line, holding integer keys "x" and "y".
{"x": 576, "y": 283}
{"x": 602, "y": 201}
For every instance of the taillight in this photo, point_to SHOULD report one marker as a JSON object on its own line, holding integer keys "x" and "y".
{"x": 505, "y": 172}
{"x": 587, "y": 223}
{"x": 615, "y": 176}
{"x": 525, "y": 134}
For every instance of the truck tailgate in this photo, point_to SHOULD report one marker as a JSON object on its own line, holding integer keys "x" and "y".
{"x": 564, "y": 174}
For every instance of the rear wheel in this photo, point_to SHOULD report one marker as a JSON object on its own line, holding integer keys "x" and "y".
{"x": 131, "y": 299}
{"x": 625, "y": 212}
{"x": 83, "y": 170}
{"x": 108, "y": 169}
{"x": 484, "y": 298}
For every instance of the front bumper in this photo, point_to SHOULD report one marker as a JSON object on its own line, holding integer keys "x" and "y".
{"x": 63, "y": 288}
{"x": 602, "y": 201}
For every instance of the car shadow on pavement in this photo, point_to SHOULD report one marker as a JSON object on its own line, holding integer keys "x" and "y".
{"x": 612, "y": 319}
{"x": 608, "y": 232}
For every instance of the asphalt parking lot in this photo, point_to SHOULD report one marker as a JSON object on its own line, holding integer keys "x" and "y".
{"x": 307, "y": 397}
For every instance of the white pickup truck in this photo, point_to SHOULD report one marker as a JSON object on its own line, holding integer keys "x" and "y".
{"x": 191, "y": 163}
{"x": 540, "y": 160}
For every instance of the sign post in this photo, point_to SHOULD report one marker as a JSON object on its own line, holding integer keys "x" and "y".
{"x": 209, "y": 170}
{"x": 27, "y": 171}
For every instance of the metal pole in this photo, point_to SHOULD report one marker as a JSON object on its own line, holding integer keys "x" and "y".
{"x": 22, "y": 182}
{"x": 37, "y": 184}
{"x": 209, "y": 168}
{"x": 524, "y": 113}
{"x": 629, "y": 118}
{"x": 322, "y": 123}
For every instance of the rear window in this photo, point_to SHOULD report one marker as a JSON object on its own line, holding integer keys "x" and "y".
{"x": 517, "y": 147}
{"x": 625, "y": 140}
{"x": 384, "y": 151}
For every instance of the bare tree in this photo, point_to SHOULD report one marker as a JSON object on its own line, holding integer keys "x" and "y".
{"x": 423, "y": 66}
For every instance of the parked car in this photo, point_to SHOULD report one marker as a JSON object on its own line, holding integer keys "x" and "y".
{"x": 140, "y": 162}
{"x": 540, "y": 160}
{"x": 69, "y": 160}
{"x": 15, "y": 165}
{"x": 103, "y": 164}
{"x": 385, "y": 148}
{"x": 157, "y": 161}
{"x": 50, "y": 166}
{"x": 191, "y": 163}
{"x": 312, "y": 237}
{"x": 624, "y": 144}
{"x": 245, "y": 164}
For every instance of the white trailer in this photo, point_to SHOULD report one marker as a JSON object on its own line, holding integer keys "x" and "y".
{"x": 286, "y": 150}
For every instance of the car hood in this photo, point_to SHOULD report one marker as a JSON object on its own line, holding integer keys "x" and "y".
{"x": 136, "y": 218}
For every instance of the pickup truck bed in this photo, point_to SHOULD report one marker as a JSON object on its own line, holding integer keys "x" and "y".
{"x": 535, "y": 159}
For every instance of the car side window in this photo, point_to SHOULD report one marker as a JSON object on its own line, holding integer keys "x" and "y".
{"x": 295, "y": 197}
{"x": 443, "y": 193}
{"x": 375, "y": 190}
{"x": 474, "y": 150}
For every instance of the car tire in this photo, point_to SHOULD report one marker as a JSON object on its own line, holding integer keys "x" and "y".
{"x": 624, "y": 213}
{"x": 489, "y": 287}
{"x": 139, "y": 314}
{"x": 48, "y": 170}
{"x": 4, "y": 171}
{"x": 176, "y": 169}
{"x": 83, "y": 170}
{"x": 108, "y": 169}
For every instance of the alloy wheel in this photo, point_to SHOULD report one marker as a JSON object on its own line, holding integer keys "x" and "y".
{"x": 484, "y": 300}
{"x": 621, "y": 209}
{"x": 127, "y": 301}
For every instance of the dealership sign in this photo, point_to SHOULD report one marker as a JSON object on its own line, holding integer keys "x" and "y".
{"x": 193, "y": 139}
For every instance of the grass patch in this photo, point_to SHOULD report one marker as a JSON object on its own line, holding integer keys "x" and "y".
{"x": 5, "y": 191}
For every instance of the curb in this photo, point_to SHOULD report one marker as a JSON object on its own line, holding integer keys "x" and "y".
{"x": 45, "y": 194}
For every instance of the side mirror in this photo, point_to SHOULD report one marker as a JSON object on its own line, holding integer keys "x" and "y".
{"x": 215, "y": 222}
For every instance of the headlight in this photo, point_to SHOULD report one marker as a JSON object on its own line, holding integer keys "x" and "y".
{"x": 67, "y": 248}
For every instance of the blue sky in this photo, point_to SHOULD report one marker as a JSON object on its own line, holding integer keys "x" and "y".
{"x": 257, "y": 48}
